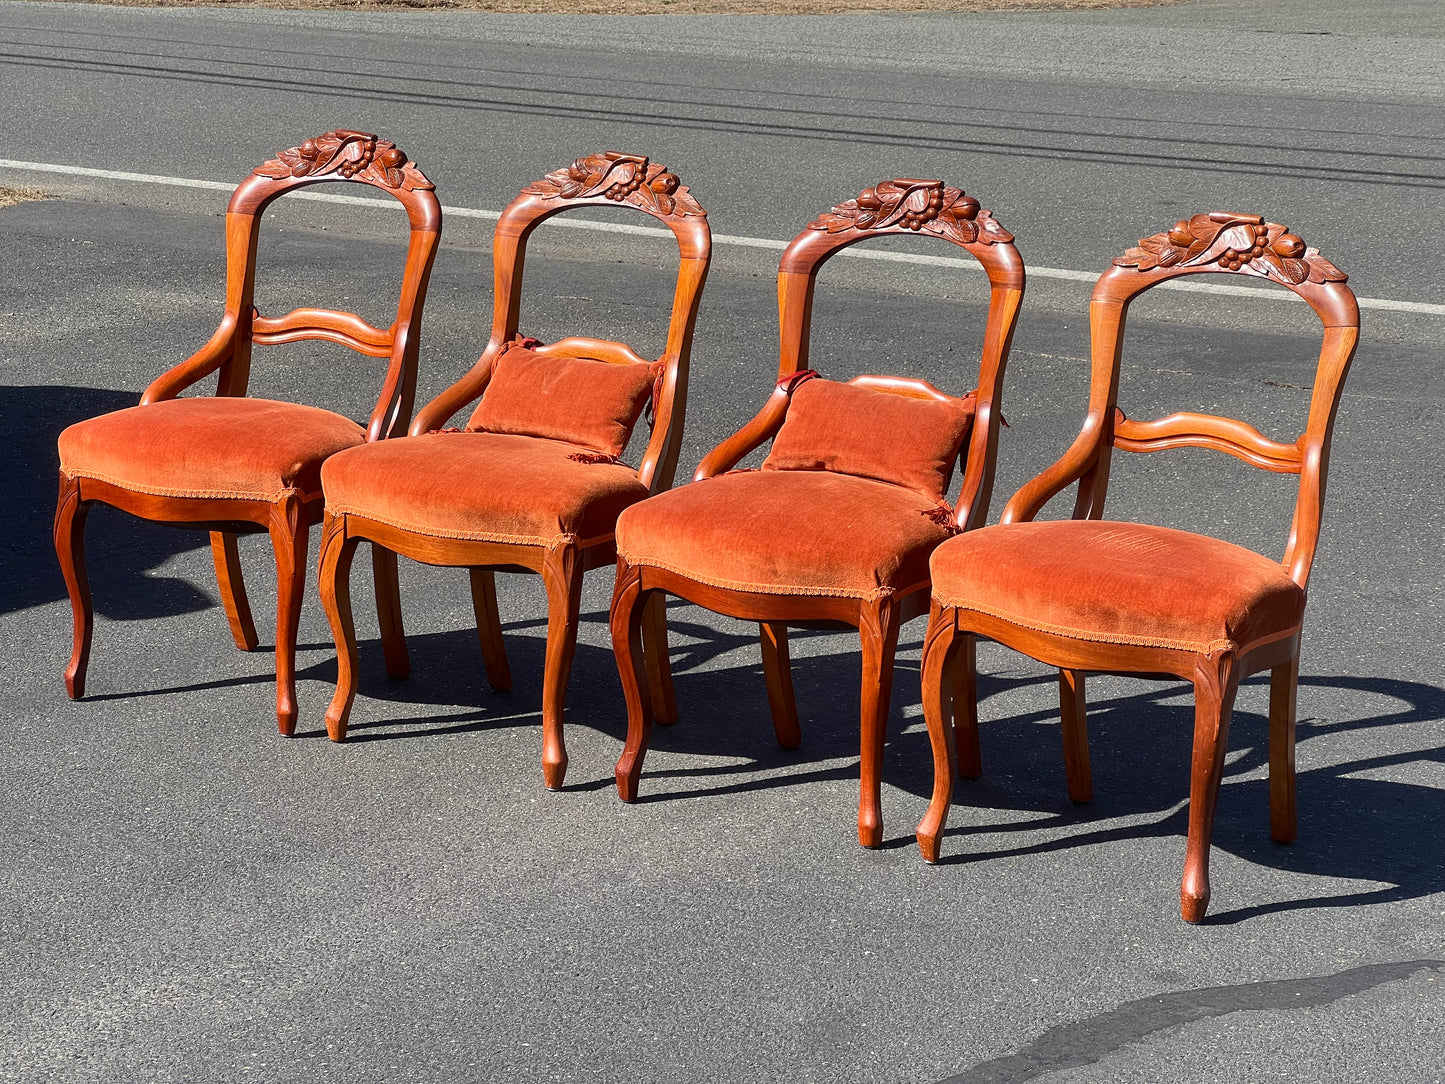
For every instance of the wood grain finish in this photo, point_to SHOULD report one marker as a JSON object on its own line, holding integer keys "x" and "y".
{"x": 604, "y": 179}
{"x": 341, "y": 155}
{"x": 1220, "y": 242}
{"x": 896, "y": 207}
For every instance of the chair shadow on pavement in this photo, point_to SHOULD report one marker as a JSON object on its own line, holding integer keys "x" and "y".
{"x": 120, "y": 548}
{"x": 1356, "y": 823}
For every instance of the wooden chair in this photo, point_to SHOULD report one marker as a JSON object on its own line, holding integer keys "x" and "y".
{"x": 533, "y": 484}
{"x": 1088, "y": 594}
{"x": 836, "y": 528}
{"x": 234, "y": 465}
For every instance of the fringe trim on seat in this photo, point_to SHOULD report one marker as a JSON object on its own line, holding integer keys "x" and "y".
{"x": 773, "y": 588}
{"x": 1201, "y": 647}
{"x": 269, "y": 496}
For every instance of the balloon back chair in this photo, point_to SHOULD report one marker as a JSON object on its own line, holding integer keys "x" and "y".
{"x": 534, "y": 483}
{"x": 836, "y": 527}
{"x": 232, "y": 465}
{"x": 1088, "y": 594}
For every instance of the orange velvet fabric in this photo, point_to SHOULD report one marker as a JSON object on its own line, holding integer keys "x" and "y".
{"x": 788, "y": 533}
{"x": 219, "y": 447}
{"x": 1123, "y": 583}
{"x": 492, "y": 487}
{"x": 577, "y": 400}
{"x": 869, "y": 433}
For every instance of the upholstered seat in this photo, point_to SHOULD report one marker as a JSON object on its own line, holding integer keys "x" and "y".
{"x": 217, "y": 447}
{"x": 489, "y": 487}
{"x": 844, "y": 536}
{"x": 1121, "y": 583}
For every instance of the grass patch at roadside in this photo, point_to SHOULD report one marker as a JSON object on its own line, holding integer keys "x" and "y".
{"x": 662, "y": 7}
{"x": 9, "y": 197}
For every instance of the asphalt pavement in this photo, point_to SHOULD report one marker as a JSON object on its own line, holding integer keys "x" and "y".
{"x": 185, "y": 896}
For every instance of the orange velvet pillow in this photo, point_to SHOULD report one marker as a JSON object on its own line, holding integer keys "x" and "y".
{"x": 868, "y": 433}
{"x": 589, "y": 403}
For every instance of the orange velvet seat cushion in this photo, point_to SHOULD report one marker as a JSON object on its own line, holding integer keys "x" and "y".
{"x": 220, "y": 447}
{"x": 851, "y": 429}
{"x": 576, "y": 400}
{"x": 1123, "y": 583}
{"x": 491, "y": 487}
{"x": 787, "y": 532}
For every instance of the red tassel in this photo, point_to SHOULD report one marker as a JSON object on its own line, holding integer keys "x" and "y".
{"x": 448, "y": 429}
{"x": 943, "y": 516}
{"x": 739, "y": 470}
{"x": 593, "y": 457}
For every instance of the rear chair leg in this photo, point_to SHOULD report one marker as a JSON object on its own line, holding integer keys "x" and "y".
{"x": 233, "y": 590}
{"x": 489, "y": 628}
{"x": 1283, "y": 686}
{"x": 70, "y": 513}
{"x": 963, "y": 677}
{"x": 778, "y": 672}
{"x": 388, "y": 612}
{"x": 659, "y": 664}
{"x": 1073, "y": 714}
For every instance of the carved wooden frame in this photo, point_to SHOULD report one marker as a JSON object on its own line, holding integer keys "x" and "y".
{"x": 895, "y": 207}
{"x": 599, "y": 180}
{"x": 340, "y": 155}
{"x": 1219, "y": 242}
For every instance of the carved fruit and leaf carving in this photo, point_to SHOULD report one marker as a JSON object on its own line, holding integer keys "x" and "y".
{"x": 908, "y": 204}
{"x": 1234, "y": 242}
{"x": 622, "y": 178}
{"x": 351, "y": 156}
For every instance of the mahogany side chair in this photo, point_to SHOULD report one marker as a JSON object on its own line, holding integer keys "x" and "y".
{"x": 534, "y": 483}
{"x": 835, "y": 529}
{"x": 233, "y": 465}
{"x": 1090, "y": 594}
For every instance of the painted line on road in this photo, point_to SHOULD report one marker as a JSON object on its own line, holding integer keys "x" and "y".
{"x": 1255, "y": 293}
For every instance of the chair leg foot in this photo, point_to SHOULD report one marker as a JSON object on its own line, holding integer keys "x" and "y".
{"x": 70, "y": 513}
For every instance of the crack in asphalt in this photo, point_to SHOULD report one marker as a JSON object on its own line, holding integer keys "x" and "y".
{"x": 1087, "y": 1041}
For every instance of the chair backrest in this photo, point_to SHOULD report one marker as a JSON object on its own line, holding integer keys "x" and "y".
{"x": 340, "y": 155}
{"x": 1228, "y": 243}
{"x": 930, "y": 209}
{"x": 605, "y": 179}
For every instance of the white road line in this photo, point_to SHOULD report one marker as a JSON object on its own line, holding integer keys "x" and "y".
{"x": 1258, "y": 294}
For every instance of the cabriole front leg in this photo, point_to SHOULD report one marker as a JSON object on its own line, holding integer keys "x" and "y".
{"x": 878, "y": 633}
{"x": 337, "y": 551}
{"x": 289, "y": 537}
{"x": 1215, "y": 683}
{"x": 562, "y": 575}
{"x": 70, "y": 513}
{"x": 628, "y": 603}
{"x": 941, "y": 647}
